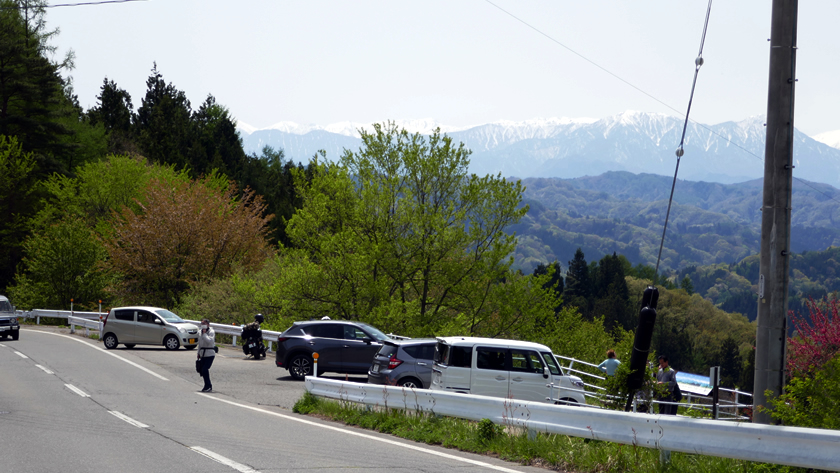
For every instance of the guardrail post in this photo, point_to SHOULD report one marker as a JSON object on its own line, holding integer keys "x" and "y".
{"x": 72, "y": 327}
{"x": 664, "y": 457}
{"x": 37, "y": 320}
{"x": 234, "y": 340}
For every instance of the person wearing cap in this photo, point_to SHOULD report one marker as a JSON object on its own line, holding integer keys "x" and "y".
{"x": 667, "y": 375}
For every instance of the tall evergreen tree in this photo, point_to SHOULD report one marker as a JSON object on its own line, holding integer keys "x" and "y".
{"x": 578, "y": 285}
{"x": 115, "y": 112}
{"x": 32, "y": 98}
{"x": 216, "y": 143}
{"x": 163, "y": 123}
{"x": 556, "y": 281}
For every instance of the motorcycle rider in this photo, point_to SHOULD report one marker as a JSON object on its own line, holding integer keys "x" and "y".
{"x": 252, "y": 334}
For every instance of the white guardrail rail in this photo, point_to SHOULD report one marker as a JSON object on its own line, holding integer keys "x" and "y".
{"x": 92, "y": 321}
{"x": 794, "y": 446}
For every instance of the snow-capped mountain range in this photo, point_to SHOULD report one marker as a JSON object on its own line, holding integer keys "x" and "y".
{"x": 638, "y": 142}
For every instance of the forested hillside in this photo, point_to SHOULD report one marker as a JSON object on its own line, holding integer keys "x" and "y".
{"x": 625, "y": 213}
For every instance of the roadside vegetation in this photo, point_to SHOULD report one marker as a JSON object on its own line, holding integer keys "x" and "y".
{"x": 160, "y": 205}
{"x": 553, "y": 452}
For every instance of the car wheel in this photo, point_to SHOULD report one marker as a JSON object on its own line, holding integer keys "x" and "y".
{"x": 3, "y": 336}
{"x": 190, "y": 347}
{"x": 411, "y": 383}
{"x": 566, "y": 401}
{"x": 130, "y": 345}
{"x": 15, "y": 335}
{"x": 300, "y": 367}
{"x": 110, "y": 341}
{"x": 171, "y": 342}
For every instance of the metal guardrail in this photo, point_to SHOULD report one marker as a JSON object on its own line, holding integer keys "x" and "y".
{"x": 92, "y": 321}
{"x": 794, "y": 446}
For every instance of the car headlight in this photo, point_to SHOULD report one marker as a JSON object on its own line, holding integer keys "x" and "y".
{"x": 182, "y": 330}
{"x": 577, "y": 383}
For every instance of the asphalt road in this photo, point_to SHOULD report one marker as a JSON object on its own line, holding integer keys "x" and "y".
{"x": 67, "y": 404}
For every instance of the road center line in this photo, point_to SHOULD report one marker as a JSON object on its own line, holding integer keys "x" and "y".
{"x": 131, "y": 421}
{"x": 366, "y": 436}
{"x": 224, "y": 460}
{"x": 107, "y": 353}
{"x": 77, "y": 390}
{"x": 46, "y": 370}
{"x": 20, "y": 354}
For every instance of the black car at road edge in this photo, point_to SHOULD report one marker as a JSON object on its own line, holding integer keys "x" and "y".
{"x": 343, "y": 346}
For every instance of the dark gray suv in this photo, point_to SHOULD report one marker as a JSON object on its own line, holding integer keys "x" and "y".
{"x": 406, "y": 363}
{"x": 343, "y": 347}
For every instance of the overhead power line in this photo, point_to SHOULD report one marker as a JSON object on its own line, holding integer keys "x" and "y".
{"x": 639, "y": 89}
{"x": 81, "y": 4}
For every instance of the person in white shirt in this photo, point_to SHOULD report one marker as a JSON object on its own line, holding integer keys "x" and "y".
{"x": 206, "y": 352}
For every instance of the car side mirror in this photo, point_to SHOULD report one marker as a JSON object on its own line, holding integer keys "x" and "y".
{"x": 159, "y": 322}
{"x": 367, "y": 340}
{"x": 546, "y": 373}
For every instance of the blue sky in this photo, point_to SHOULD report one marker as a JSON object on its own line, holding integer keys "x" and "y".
{"x": 463, "y": 62}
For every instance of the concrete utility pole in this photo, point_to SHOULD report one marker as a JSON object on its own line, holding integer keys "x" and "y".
{"x": 771, "y": 333}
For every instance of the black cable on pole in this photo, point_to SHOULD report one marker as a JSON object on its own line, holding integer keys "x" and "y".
{"x": 680, "y": 150}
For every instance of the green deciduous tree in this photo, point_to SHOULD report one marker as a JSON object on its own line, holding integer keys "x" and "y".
{"x": 400, "y": 229}
{"x": 18, "y": 203}
{"x": 811, "y": 401}
{"x": 62, "y": 263}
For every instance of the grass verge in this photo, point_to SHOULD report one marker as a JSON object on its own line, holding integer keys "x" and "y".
{"x": 553, "y": 452}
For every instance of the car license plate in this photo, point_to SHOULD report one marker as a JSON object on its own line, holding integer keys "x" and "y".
{"x": 193, "y": 340}
{"x": 375, "y": 369}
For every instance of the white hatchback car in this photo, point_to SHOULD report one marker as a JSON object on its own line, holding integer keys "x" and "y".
{"x": 147, "y": 326}
{"x": 503, "y": 368}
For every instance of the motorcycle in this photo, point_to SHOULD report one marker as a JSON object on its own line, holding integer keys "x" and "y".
{"x": 252, "y": 336}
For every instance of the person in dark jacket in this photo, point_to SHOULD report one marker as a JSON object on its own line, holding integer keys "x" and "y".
{"x": 206, "y": 352}
{"x": 667, "y": 376}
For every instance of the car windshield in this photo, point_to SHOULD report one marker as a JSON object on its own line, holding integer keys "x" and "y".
{"x": 169, "y": 316}
{"x": 377, "y": 334}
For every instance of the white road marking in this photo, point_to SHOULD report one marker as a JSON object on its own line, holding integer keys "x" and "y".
{"x": 131, "y": 421}
{"x": 366, "y": 436}
{"x": 224, "y": 461}
{"x": 108, "y": 353}
{"x": 77, "y": 390}
{"x": 46, "y": 370}
{"x": 1, "y": 345}
{"x": 20, "y": 354}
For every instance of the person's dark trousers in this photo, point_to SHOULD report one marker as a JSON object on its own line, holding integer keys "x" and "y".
{"x": 668, "y": 409}
{"x": 206, "y": 363}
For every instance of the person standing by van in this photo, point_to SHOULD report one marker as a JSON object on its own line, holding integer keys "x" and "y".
{"x": 610, "y": 364}
{"x": 206, "y": 352}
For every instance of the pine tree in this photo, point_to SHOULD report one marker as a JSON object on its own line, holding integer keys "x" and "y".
{"x": 162, "y": 124}
{"x": 32, "y": 98}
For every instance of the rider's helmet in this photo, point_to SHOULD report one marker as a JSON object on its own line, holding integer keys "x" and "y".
{"x": 259, "y": 318}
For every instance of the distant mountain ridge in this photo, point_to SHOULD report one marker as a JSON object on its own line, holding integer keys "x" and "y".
{"x": 636, "y": 142}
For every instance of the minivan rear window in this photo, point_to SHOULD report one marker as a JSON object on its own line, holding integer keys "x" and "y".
{"x": 460, "y": 357}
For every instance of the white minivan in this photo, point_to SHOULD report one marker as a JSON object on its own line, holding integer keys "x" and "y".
{"x": 502, "y": 368}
